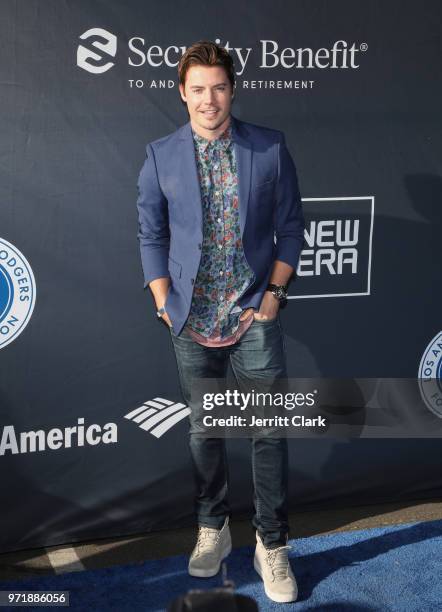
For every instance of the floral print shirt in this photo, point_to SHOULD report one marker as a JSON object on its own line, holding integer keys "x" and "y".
{"x": 223, "y": 274}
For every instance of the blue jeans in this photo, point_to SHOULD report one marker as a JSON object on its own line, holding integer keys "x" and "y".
{"x": 259, "y": 355}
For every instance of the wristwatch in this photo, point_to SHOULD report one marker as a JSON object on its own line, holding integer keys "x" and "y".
{"x": 279, "y": 291}
{"x": 160, "y": 312}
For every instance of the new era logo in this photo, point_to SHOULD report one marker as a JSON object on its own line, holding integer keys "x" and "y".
{"x": 158, "y": 415}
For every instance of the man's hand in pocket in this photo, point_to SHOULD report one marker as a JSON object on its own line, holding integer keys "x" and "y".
{"x": 268, "y": 308}
{"x": 166, "y": 319}
{"x": 248, "y": 312}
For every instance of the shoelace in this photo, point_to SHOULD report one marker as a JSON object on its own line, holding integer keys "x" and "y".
{"x": 278, "y": 561}
{"x": 207, "y": 539}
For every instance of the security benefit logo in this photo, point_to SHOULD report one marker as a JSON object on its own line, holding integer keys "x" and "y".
{"x": 98, "y": 47}
{"x": 158, "y": 415}
{"x": 336, "y": 258}
{"x": 17, "y": 292}
{"x": 430, "y": 375}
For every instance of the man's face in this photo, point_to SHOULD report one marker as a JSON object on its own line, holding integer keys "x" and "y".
{"x": 207, "y": 88}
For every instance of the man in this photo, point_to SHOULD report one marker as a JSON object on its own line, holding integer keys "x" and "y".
{"x": 213, "y": 197}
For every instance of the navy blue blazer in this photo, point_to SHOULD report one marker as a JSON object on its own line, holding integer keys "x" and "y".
{"x": 170, "y": 212}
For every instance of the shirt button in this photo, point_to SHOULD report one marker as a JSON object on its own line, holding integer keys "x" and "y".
{"x": 221, "y": 272}
{"x": 220, "y": 246}
{"x": 219, "y": 219}
{"x": 221, "y": 297}
{"x": 215, "y": 167}
{"x": 217, "y": 193}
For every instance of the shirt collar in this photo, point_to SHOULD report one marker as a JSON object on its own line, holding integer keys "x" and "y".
{"x": 220, "y": 143}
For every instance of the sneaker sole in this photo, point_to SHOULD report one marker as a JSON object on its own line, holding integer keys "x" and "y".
{"x": 208, "y": 573}
{"x": 270, "y": 594}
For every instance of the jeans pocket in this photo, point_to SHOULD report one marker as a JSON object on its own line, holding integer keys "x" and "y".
{"x": 264, "y": 321}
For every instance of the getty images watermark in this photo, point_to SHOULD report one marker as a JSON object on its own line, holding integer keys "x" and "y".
{"x": 313, "y": 407}
{"x": 255, "y": 401}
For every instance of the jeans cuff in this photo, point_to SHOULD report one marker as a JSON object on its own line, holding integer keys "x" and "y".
{"x": 273, "y": 540}
{"x": 215, "y": 522}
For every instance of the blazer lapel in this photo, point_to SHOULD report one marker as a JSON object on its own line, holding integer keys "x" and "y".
{"x": 189, "y": 175}
{"x": 243, "y": 152}
{"x": 189, "y": 171}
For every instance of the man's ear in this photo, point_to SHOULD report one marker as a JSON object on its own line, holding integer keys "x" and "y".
{"x": 181, "y": 95}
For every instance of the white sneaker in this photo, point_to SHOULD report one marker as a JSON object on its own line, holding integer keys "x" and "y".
{"x": 273, "y": 565}
{"x": 212, "y": 546}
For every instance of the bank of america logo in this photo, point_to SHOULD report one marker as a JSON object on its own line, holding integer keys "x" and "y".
{"x": 158, "y": 415}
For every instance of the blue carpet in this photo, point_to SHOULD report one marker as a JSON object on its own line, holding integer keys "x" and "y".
{"x": 397, "y": 568}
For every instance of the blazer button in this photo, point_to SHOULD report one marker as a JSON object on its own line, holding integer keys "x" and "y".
{"x": 192, "y": 280}
{"x": 199, "y": 246}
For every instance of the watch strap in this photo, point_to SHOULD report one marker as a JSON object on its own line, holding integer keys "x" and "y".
{"x": 279, "y": 292}
{"x": 272, "y": 287}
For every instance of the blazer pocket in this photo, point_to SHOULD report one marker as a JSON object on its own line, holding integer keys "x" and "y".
{"x": 264, "y": 184}
{"x": 174, "y": 268}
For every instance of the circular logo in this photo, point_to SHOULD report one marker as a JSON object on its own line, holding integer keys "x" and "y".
{"x": 17, "y": 292}
{"x": 430, "y": 375}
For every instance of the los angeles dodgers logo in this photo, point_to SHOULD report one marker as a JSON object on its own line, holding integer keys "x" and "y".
{"x": 430, "y": 375}
{"x": 17, "y": 292}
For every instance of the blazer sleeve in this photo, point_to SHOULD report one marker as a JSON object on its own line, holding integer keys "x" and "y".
{"x": 289, "y": 218}
{"x": 153, "y": 222}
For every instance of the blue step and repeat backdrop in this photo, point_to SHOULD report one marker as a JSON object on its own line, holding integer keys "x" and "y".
{"x": 84, "y": 364}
